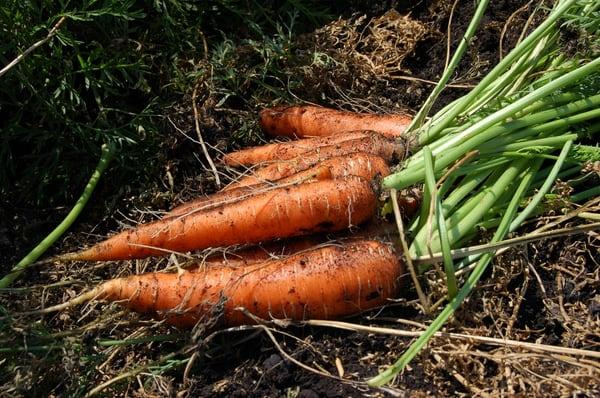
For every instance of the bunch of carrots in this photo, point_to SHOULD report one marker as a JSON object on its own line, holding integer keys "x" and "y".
{"x": 487, "y": 160}
{"x": 324, "y": 180}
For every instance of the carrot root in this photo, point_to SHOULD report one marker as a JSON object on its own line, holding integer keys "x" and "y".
{"x": 311, "y": 121}
{"x": 288, "y": 150}
{"x": 226, "y": 196}
{"x": 354, "y": 164}
{"x": 324, "y": 283}
{"x": 321, "y": 206}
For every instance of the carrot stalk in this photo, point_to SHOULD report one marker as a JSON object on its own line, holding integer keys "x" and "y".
{"x": 107, "y": 151}
{"x": 320, "y": 206}
{"x": 324, "y": 283}
{"x": 311, "y": 121}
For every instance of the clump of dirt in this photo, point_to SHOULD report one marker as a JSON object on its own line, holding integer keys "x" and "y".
{"x": 353, "y": 53}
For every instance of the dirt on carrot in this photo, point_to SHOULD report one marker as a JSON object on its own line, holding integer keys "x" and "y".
{"x": 259, "y": 253}
{"x": 327, "y": 282}
{"x": 224, "y": 197}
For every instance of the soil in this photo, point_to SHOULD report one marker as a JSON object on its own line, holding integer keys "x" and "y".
{"x": 542, "y": 293}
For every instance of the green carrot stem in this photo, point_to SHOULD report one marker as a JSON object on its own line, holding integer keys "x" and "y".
{"x": 107, "y": 154}
{"x": 535, "y": 201}
{"x": 441, "y": 223}
{"x": 530, "y": 41}
{"x": 589, "y": 193}
{"x": 544, "y": 189}
{"x": 550, "y": 142}
{"x": 388, "y": 374}
{"x": 464, "y": 219}
{"x": 449, "y": 71}
{"x": 471, "y": 138}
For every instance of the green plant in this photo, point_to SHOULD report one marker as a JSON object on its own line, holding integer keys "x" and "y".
{"x": 489, "y": 147}
{"x": 110, "y": 74}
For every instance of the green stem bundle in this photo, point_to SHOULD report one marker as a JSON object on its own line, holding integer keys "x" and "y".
{"x": 500, "y": 148}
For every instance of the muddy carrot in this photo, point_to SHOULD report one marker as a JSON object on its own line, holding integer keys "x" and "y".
{"x": 311, "y": 121}
{"x": 328, "y": 205}
{"x": 324, "y": 283}
{"x": 288, "y": 150}
{"x": 374, "y": 144}
{"x": 358, "y": 164}
{"x": 227, "y": 196}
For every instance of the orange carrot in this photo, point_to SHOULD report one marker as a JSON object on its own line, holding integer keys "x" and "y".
{"x": 227, "y": 196}
{"x": 328, "y": 205}
{"x": 358, "y": 164}
{"x": 375, "y": 144}
{"x": 311, "y": 121}
{"x": 288, "y": 150}
{"x": 324, "y": 283}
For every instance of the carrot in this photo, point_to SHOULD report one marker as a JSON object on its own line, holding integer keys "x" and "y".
{"x": 328, "y": 205}
{"x": 227, "y": 196}
{"x": 288, "y": 150}
{"x": 375, "y": 144}
{"x": 358, "y": 164}
{"x": 324, "y": 283}
{"x": 311, "y": 121}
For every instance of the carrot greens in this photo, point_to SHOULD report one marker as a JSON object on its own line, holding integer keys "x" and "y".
{"x": 501, "y": 147}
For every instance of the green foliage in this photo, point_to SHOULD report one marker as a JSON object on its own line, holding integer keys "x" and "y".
{"x": 111, "y": 72}
{"x": 585, "y": 153}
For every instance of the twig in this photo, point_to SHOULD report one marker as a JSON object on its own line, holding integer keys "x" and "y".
{"x": 449, "y": 34}
{"x": 589, "y": 215}
{"x": 188, "y": 367}
{"x": 472, "y": 389}
{"x": 418, "y": 79}
{"x": 457, "y": 336}
{"x": 405, "y": 249}
{"x": 131, "y": 373}
{"x": 506, "y": 25}
{"x": 569, "y": 215}
{"x": 294, "y": 360}
{"x": 456, "y": 165}
{"x": 489, "y": 247}
{"x": 34, "y": 46}
{"x": 204, "y": 149}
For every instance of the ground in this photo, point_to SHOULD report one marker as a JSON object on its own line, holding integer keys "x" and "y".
{"x": 544, "y": 293}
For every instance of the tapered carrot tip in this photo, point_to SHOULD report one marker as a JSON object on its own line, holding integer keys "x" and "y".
{"x": 310, "y": 121}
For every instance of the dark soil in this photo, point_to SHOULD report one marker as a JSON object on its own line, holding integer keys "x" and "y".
{"x": 558, "y": 304}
